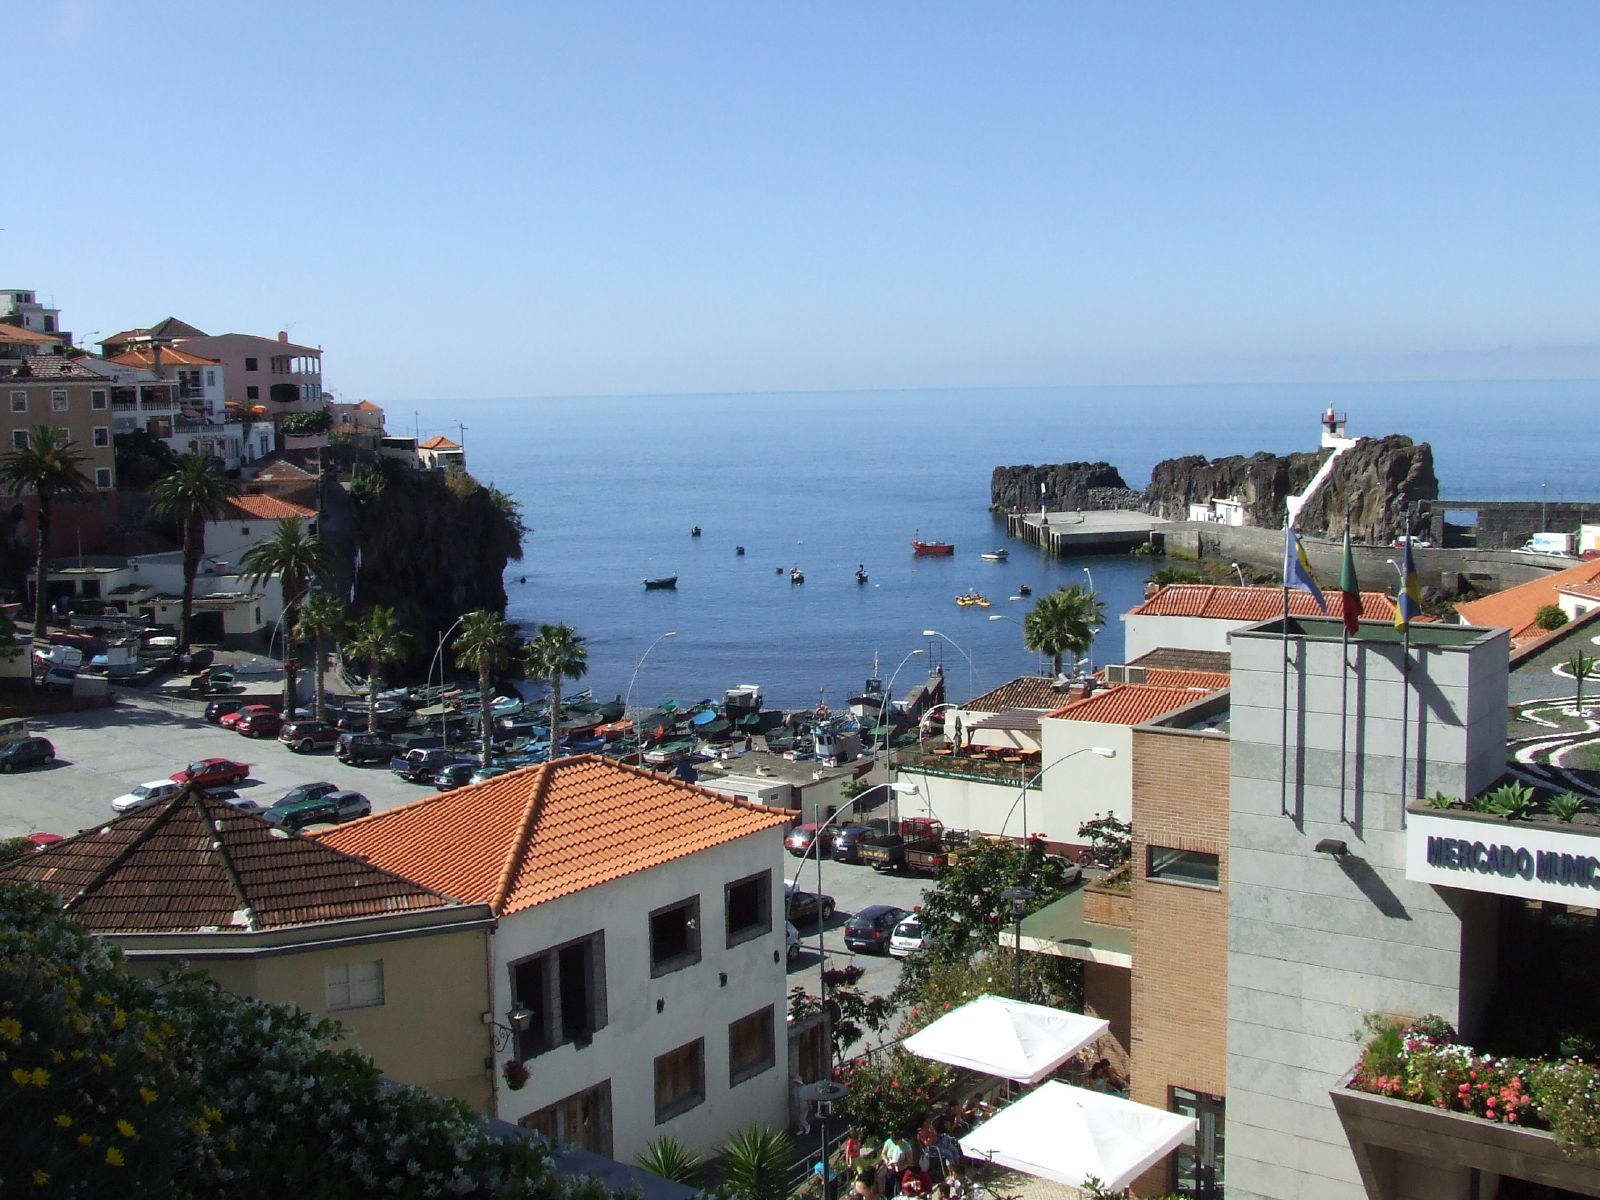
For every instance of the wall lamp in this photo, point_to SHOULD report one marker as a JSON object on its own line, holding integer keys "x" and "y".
{"x": 520, "y": 1019}
{"x": 1334, "y": 847}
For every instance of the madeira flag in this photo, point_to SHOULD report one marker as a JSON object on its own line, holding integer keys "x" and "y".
{"x": 1408, "y": 604}
{"x": 1350, "y": 588}
{"x": 1297, "y": 568}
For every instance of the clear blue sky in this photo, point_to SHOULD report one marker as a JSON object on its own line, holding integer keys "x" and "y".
{"x": 518, "y": 199}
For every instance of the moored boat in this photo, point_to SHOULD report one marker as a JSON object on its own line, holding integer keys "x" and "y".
{"x": 796, "y": 575}
{"x": 861, "y": 573}
{"x": 1024, "y": 589}
{"x": 995, "y": 555}
{"x": 932, "y": 549}
{"x": 662, "y": 583}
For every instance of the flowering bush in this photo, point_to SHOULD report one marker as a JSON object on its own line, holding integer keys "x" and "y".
{"x": 115, "y": 1085}
{"x": 891, "y": 1090}
{"x": 1423, "y": 1062}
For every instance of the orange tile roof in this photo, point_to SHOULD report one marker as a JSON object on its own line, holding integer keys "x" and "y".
{"x": 438, "y": 442}
{"x": 258, "y": 507}
{"x": 1028, "y": 691}
{"x": 16, "y": 333}
{"x": 170, "y": 355}
{"x": 1515, "y": 607}
{"x": 1589, "y": 589}
{"x": 369, "y": 406}
{"x": 547, "y": 831}
{"x": 1173, "y": 677}
{"x": 1226, "y": 602}
{"x": 1129, "y": 703}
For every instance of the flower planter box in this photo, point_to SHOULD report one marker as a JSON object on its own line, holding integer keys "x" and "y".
{"x": 1379, "y": 1127}
{"x": 1108, "y": 906}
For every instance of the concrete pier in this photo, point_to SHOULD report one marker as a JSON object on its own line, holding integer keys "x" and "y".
{"x": 1115, "y": 531}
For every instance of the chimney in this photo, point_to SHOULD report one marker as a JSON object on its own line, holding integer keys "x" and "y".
{"x": 283, "y": 336}
{"x": 155, "y": 358}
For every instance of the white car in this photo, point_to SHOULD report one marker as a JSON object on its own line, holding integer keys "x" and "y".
{"x": 906, "y": 938}
{"x": 791, "y": 941}
{"x": 146, "y": 794}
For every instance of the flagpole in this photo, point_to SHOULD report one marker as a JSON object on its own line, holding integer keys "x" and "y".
{"x": 1283, "y": 734}
{"x": 1344, "y": 669}
{"x": 1403, "y": 618}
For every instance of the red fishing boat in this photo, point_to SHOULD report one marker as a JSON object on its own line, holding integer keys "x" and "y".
{"x": 932, "y": 549}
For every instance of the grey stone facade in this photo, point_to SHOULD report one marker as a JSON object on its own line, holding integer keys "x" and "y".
{"x": 1315, "y": 941}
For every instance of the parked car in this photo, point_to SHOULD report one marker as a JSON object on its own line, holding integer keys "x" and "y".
{"x": 906, "y": 939}
{"x": 306, "y": 736}
{"x": 357, "y": 747}
{"x": 350, "y": 805}
{"x": 453, "y": 775}
{"x": 213, "y": 772}
{"x": 802, "y": 907}
{"x": 295, "y": 817}
{"x": 872, "y": 927}
{"x": 483, "y": 774}
{"x": 59, "y": 677}
{"x": 145, "y": 795}
{"x": 306, "y": 791}
{"x": 26, "y": 752}
{"x": 41, "y": 840}
{"x": 798, "y": 842}
{"x": 257, "y": 720}
{"x": 791, "y": 942}
{"x": 420, "y": 766}
{"x": 217, "y": 710}
{"x": 847, "y": 842}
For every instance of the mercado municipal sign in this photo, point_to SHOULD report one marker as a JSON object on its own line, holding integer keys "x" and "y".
{"x": 1532, "y": 862}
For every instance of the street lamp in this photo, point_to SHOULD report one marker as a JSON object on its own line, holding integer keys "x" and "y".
{"x": 1239, "y": 569}
{"x": 888, "y": 703}
{"x": 627, "y": 705}
{"x": 1022, "y": 799}
{"x": 1090, "y": 575}
{"x": 972, "y": 674}
{"x": 293, "y": 694}
{"x": 1019, "y": 897}
{"x": 438, "y": 658}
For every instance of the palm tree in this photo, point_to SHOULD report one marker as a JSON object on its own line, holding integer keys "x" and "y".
{"x": 556, "y": 652}
{"x": 1063, "y": 622}
{"x": 379, "y": 642}
{"x": 195, "y": 492}
{"x": 48, "y": 467}
{"x": 296, "y": 556}
{"x": 485, "y": 644}
{"x": 321, "y": 617}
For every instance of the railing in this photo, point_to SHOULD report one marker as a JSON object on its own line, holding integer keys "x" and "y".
{"x": 975, "y": 770}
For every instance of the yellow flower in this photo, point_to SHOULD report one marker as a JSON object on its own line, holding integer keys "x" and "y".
{"x": 10, "y": 1028}
{"x": 125, "y": 1128}
{"x": 63, "y": 1121}
{"x": 119, "y": 1019}
{"x": 40, "y": 1178}
{"x": 113, "y": 1156}
{"x": 147, "y": 1095}
{"x": 200, "y": 1126}
{"x": 212, "y": 1114}
{"x": 108, "y": 1059}
{"x": 85, "y": 1140}
{"x": 40, "y": 1077}
{"x": 20, "y": 1076}
{"x": 57, "y": 1057}
{"x": 77, "y": 1056}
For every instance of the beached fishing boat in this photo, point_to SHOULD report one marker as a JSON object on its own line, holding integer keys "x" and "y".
{"x": 663, "y": 583}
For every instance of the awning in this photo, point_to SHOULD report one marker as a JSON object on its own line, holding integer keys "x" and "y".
{"x": 1007, "y": 1038}
{"x": 1067, "y": 1134}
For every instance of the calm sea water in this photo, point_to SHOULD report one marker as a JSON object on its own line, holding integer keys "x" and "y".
{"x": 612, "y": 486}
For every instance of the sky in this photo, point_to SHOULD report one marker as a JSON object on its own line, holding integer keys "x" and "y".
{"x": 480, "y": 199}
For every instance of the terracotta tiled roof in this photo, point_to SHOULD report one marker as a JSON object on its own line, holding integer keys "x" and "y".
{"x": 1226, "y": 602}
{"x": 16, "y": 335}
{"x": 282, "y": 471}
{"x": 369, "y": 406}
{"x": 170, "y": 356}
{"x": 256, "y": 507}
{"x": 195, "y": 863}
{"x": 438, "y": 442}
{"x": 547, "y": 831}
{"x": 1170, "y": 677}
{"x": 1127, "y": 704}
{"x": 1030, "y": 691}
{"x": 1515, "y": 607}
{"x": 1589, "y": 589}
{"x": 1184, "y": 660}
{"x": 57, "y": 366}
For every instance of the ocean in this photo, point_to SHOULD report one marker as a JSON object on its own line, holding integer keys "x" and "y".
{"x": 611, "y": 487}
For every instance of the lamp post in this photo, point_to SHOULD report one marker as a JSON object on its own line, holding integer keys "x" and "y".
{"x": 1239, "y": 569}
{"x": 627, "y": 705}
{"x": 972, "y": 674}
{"x": 438, "y": 659}
{"x": 294, "y": 699}
{"x": 1022, "y": 799}
{"x": 1090, "y": 575}
{"x": 1019, "y": 897}
{"x": 888, "y": 703}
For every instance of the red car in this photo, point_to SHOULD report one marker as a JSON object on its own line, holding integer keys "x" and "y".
{"x": 257, "y": 720}
{"x": 798, "y": 843}
{"x": 230, "y": 720}
{"x": 213, "y": 772}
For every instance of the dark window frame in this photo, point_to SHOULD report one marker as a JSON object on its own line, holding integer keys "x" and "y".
{"x": 1172, "y": 865}
{"x": 673, "y": 949}
{"x": 760, "y": 884}
{"x": 691, "y": 1059}
{"x": 249, "y": 364}
{"x": 765, "y": 1043}
{"x": 554, "y": 1023}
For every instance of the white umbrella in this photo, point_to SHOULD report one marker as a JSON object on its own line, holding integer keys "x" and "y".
{"x": 1068, "y": 1134}
{"x": 1008, "y": 1038}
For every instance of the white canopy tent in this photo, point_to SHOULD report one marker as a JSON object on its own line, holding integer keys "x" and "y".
{"x": 1008, "y": 1038}
{"x": 1068, "y": 1134}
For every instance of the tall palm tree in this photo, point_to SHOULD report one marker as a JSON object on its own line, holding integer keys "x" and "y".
{"x": 556, "y": 652}
{"x": 485, "y": 645}
{"x": 380, "y": 642}
{"x": 1064, "y": 622}
{"x": 195, "y": 492}
{"x": 321, "y": 618}
{"x": 48, "y": 467}
{"x": 296, "y": 556}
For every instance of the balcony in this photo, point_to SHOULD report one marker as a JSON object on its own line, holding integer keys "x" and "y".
{"x": 1013, "y": 769}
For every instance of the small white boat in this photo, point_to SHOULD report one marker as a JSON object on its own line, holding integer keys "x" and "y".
{"x": 995, "y": 555}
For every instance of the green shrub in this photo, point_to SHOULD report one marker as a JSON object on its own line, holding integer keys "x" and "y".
{"x": 1549, "y": 616}
{"x": 671, "y": 1159}
{"x": 1566, "y": 806}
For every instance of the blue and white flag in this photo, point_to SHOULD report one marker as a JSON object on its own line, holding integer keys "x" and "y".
{"x": 1297, "y": 568}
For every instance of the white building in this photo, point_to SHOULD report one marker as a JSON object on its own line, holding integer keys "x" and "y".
{"x": 1203, "y": 616}
{"x": 638, "y": 969}
{"x": 251, "y": 518}
{"x": 21, "y": 307}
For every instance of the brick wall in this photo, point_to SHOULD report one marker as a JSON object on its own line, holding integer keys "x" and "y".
{"x": 1180, "y": 933}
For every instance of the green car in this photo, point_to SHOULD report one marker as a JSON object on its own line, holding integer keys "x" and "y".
{"x": 26, "y": 752}
{"x": 296, "y": 815}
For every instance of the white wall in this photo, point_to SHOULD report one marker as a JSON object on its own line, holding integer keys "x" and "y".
{"x": 1143, "y": 633}
{"x": 696, "y": 1002}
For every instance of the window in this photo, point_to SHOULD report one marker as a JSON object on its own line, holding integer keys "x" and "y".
{"x": 355, "y": 985}
{"x": 252, "y": 392}
{"x": 1192, "y": 867}
{"x": 58, "y": 399}
{"x": 97, "y": 399}
{"x": 748, "y": 903}
{"x": 49, "y": 323}
{"x": 102, "y": 436}
{"x": 675, "y": 937}
{"x": 102, "y": 477}
{"x": 1199, "y": 1162}
{"x": 581, "y": 1121}
{"x": 680, "y": 1080}
{"x": 564, "y": 991}
{"x": 19, "y": 439}
{"x": 244, "y": 531}
{"x": 750, "y": 1046}
{"x": 249, "y": 364}
{"x": 211, "y": 379}
{"x": 19, "y": 402}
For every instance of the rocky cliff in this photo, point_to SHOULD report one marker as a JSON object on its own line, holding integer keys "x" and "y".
{"x": 1065, "y": 485}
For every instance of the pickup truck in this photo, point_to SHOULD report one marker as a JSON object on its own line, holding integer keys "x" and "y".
{"x": 420, "y": 766}
{"x": 919, "y": 845}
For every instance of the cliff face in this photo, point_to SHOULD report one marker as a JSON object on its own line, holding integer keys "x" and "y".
{"x": 1063, "y": 486}
{"x": 433, "y": 546}
{"x": 1372, "y": 481}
